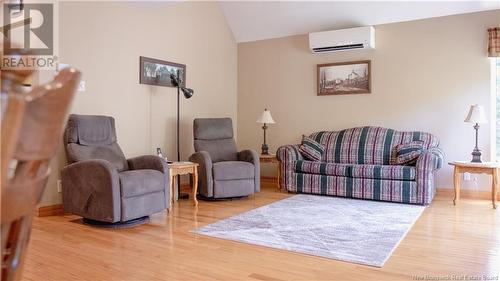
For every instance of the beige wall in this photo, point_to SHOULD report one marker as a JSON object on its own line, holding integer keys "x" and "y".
{"x": 105, "y": 40}
{"x": 425, "y": 75}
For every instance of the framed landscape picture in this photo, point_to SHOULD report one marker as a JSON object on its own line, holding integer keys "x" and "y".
{"x": 157, "y": 72}
{"x": 344, "y": 78}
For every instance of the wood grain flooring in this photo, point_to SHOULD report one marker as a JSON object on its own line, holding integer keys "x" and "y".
{"x": 445, "y": 241}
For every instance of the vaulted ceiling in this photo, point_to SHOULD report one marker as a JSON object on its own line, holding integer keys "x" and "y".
{"x": 257, "y": 20}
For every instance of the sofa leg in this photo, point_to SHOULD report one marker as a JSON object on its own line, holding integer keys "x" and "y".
{"x": 115, "y": 225}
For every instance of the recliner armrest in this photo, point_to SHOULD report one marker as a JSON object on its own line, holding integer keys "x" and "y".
{"x": 251, "y": 156}
{"x": 91, "y": 189}
{"x": 151, "y": 162}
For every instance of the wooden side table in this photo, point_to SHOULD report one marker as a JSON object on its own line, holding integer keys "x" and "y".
{"x": 183, "y": 168}
{"x": 490, "y": 168}
{"x": 271, "y": 158}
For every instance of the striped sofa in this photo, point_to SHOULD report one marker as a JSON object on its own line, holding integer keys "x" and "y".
{"x": 356, "y": 164}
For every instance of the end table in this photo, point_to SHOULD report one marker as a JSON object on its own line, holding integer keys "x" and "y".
{"x": 271, "y": 158}
{"x": 183, "y": 168}
{"x": 490, "y": 168}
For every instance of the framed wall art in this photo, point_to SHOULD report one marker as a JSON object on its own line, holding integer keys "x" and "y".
{"x": 157, "y": 72}
{"x": 344, "y": 78}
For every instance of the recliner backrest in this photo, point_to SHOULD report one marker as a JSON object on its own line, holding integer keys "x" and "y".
{"x": 215, "y": 136}
{"x": 93, "y": 137}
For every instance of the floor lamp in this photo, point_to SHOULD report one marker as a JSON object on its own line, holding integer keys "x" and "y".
{"x": 177, "y": 82}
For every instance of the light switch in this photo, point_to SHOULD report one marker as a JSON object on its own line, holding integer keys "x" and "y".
{"x": 82, "y": 86}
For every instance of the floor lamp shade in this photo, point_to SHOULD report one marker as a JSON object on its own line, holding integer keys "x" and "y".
{"x": 187, "y": 92}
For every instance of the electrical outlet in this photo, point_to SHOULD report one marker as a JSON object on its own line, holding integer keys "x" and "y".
{"x": 475, "y": 183}
{"x": 466, "y": 176}
{"x": 59, "y": 186}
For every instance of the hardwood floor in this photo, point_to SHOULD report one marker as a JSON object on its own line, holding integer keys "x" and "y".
{"x": 445, "y": 241}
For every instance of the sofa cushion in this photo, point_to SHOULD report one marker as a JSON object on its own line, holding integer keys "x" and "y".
{"x": 367, "y": 145}
{"x": 140, "y": 182}
{"x": 233, "y": 170}
{"x": 374, "y": 189}
{"x": 408, "y": 153}
{"x": 391, "y": 172}
{"x": 311, "y": 149}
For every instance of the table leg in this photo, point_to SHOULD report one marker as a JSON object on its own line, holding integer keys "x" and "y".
{"x": 279, "y": 176}
{"x": 456, "y": 176}
{"x": 195, "y": 186}
{"x": 176, "y": 198}
{"x": 494, "y": 188}
{"x": 171, "y": 187}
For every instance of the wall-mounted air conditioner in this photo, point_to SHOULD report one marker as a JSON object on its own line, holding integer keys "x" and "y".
{"x": 342, "y": 39}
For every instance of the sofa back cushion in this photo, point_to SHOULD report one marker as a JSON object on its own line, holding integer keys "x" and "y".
{"x": 367, "y": 145}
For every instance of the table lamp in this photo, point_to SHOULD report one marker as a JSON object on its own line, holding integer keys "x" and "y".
{"x": 476, "y": 115}
{"x": 265, "y": 119}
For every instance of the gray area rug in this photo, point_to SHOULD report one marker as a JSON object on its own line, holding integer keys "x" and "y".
{"x": 359, "y": 231}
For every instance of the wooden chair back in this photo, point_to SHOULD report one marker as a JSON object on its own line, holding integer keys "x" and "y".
{"x": 32, "y": 127}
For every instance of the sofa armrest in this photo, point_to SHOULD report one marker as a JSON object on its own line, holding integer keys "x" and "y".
{"x": 205, "y": 178}
{"x": 432, "y": 159}
{"x": 151, "y": 162}
{"x": 289, "y": 153}
{"x": 91, "y": 189}
{"x": 252, "y": 156}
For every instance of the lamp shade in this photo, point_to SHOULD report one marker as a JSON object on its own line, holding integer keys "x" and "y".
{"x": 476, "y": 114}
{"x": 266, "y": 117}
{"x": 187, "y": 92}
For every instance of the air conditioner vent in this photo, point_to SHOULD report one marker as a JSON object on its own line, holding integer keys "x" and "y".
{"x": 342, "y": 47}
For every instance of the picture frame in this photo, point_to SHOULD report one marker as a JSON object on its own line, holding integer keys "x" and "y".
{"x": 157, "y": 72}
{"x": 344, "y": 78}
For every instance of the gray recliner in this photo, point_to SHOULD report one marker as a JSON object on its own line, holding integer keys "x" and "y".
{"x": 224, "y": 172}
{"x": 100, "y": 184}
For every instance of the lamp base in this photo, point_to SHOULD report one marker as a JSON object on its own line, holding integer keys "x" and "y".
{"x": 265, "y": 149}
{"x": 476, "y": 156}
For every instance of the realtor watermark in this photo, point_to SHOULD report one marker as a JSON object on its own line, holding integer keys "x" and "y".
{"x": 457, "y": 277}
{"x": 28, "y": 29}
